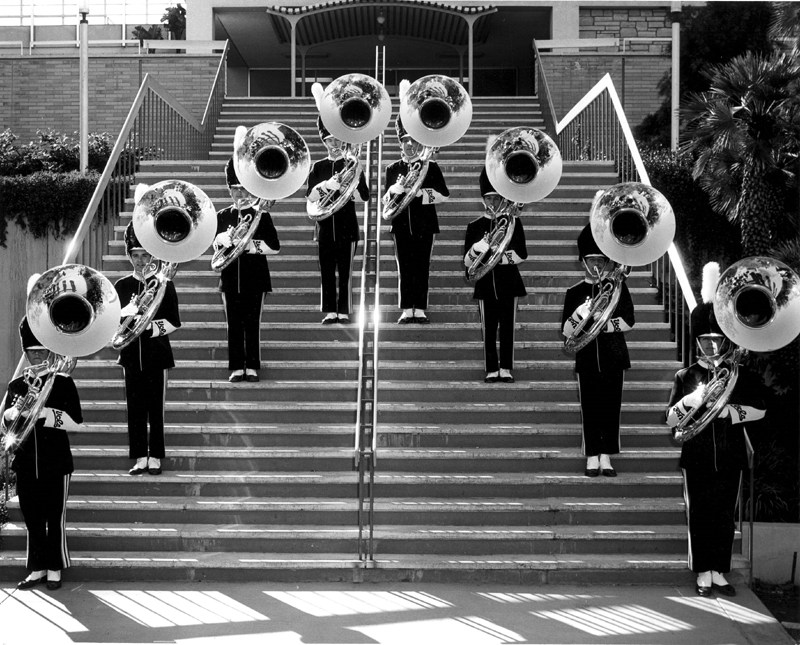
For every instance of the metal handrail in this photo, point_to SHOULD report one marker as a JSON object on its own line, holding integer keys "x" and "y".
{"x": 597, "y": 129}
{"x": 366, "y": 430}
{"x": 156, "y": 125}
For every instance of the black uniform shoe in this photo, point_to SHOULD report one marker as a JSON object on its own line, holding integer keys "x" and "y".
{"x": 725, "y": 590}
{"x": 236, "y": 378}
{"x": 591, "y": 472}
{"x": 405, "y": 320}
{"x": 138, "y": 471}
{"x": 30, "y": 584}
{"x": 330, "y": 321}
{"x": 252, "y": 378}
{"x": 703, "y": 591}
{"x": 421, "y": 320}
{"x": 53, "y": 585}
{"x": 492, "y": 377}
{"x": 609, "y": 472}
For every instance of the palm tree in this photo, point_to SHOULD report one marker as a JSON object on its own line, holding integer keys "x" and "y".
{"x": 745, "y": 135}
{"x": 785, "y": 24}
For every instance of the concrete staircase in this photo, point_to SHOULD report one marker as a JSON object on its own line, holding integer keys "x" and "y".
{"x": 474, "y": 481}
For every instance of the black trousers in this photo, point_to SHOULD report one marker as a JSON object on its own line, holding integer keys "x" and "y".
{"x": 711, "y": 499}
{"x": 145, "y": 391}
{"x": 43, "y": 502}
{"x": 601, "y": 404}
{"x": 500, "y": 314}
{"x": 413, "y": 255}
{"x": 336, "y": 257}
{"x": 243, "y": 315}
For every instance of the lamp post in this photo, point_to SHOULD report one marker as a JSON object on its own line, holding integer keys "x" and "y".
{"x": 675, "y": 118}
{"x": 83, "y": 9}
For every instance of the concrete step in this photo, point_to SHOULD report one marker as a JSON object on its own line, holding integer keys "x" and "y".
{"x": 451, "y": 435}
{"x": 412, "y": 460}
{"x": 119, "y": 566}
{"x": 556, "y": 511}
{"x": 488, "y": 540}
{"x": 336, "y": 485}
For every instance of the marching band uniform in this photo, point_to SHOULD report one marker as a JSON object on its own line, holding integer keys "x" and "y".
{"x": 244, "y": 282}
{"x": 497, "y": 292}
{"x": 601, "y": 364}
{"x": 414, "y": 229}
{"x": 43, "y": 463}
{"x": 713, "y": 460}
{"x": 336, "y": 235}
{"x": 145, "y": 362}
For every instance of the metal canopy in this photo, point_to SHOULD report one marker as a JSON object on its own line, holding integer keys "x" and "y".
{"x": 305, "y": 27}
{"x": 331, "y": 21}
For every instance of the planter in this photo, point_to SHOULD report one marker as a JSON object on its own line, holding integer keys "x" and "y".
{"x": 774, "y": 546}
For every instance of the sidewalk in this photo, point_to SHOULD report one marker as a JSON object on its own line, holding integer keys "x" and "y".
{"x": 402, "y": 614}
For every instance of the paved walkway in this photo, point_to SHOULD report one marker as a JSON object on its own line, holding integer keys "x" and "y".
{"x": 402, "y": 614}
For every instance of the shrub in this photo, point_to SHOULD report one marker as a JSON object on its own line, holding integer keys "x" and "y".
{"x": 45, "y": 203}
{"x": 53, "y": 152}
{"x": 701, "y": 235}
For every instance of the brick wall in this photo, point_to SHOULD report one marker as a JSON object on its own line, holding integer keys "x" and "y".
{"x": 620, "y": 22}
{"x": 42, "y": 92}
{"x": 570, "y": 76}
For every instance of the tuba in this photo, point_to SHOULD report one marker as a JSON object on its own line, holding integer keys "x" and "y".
{"x": 757, "y": 306}
{"x": 633, "y": 224}
{"x": 524, "y": 165}
{"x": 272, "y": 161}
{"x": 175, "y": 222}
{"x": 436, "y": 111}
{"x": 354, "y": 108}
{"x": 73, "y": 310}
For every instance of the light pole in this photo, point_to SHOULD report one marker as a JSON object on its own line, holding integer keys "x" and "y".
{"x": 83, "y": 9}
{"x": 675, "y": 119}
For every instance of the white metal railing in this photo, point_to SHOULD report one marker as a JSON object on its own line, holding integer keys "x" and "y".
{"x": 17, "y": 13}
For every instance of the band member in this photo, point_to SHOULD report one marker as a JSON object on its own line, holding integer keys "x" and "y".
{"x": 336, "y": 235}
{"x": 245, "y": 281}
{"x": 497, "y": 292}
{"x": 713, "y": 460}
{"x": 601, "y": 364}
{"x": 145, "y": 362}
{"x": 414, "y": 229}
{"x": 43, "y": 464}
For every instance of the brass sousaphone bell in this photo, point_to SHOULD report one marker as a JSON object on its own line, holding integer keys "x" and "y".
{"x": 271, "y": 161}
{"x": 757, "y": 306}
{"x": 73, "y": 310}
{"x": 355, "y": 108}
{"x": 523, "y": 165}
{"x": 632, "y": 224}
{"x": 435, "y": 111}
{"x": 175, "y": 222}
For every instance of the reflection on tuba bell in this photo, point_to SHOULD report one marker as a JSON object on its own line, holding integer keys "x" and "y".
{"x": 633, "y": 224}
{"x": 174, "y": 221}
{"x": 72, "y": 310}
{"x": 354, "y": 108}
{"x": 757, "y": 306}
{"x": 272, "y": 161}
{"x": 435, "y": 111}
{"x": 524, "y": 165}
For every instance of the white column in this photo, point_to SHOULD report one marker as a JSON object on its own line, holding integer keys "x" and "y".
{"x": 84, "y": 93}
{"x": 675, "y": 116}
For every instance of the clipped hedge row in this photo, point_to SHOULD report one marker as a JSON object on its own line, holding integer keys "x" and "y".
{"x": 45, "y": 203}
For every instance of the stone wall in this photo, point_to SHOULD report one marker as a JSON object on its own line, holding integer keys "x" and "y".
{"x": 621, "y": 22}
{"x": 41, "y": 92}
{"x": 635, "y": 76}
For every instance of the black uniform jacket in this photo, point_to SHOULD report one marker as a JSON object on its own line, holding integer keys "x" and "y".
{"x": 608, "y": 351}
{"x": 504, "y": 281}
{"x": 342, "y": 226}
{"x": 721, "y": 444}
{"x": 147, "y": 352}
{"x": 46, "y": 451}
{"x": 249, "y": 273}
{"x": 418, "y": 218}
